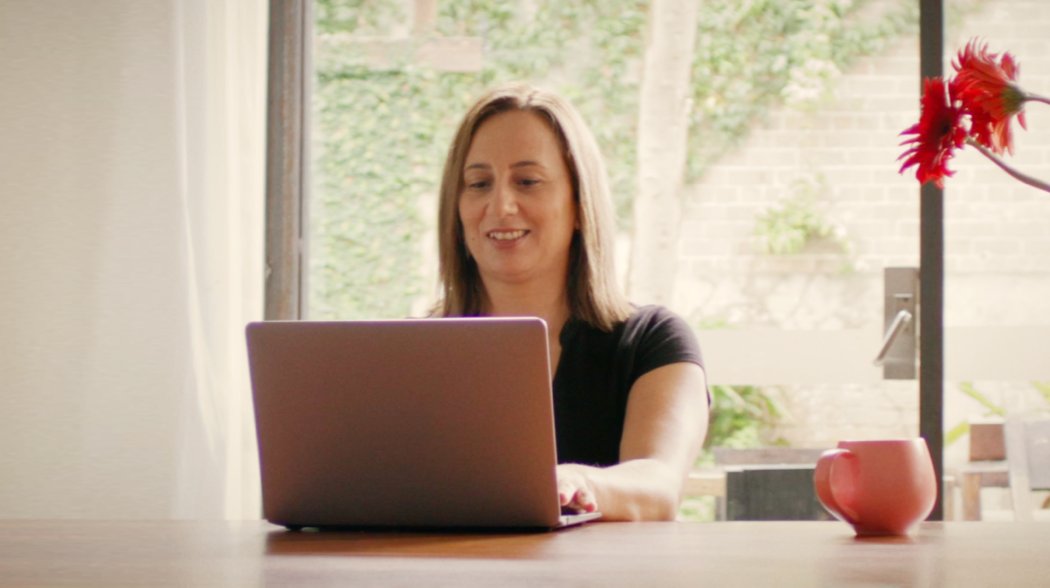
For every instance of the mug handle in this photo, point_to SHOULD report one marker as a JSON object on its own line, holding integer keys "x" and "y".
{"x": 835, "y": 479}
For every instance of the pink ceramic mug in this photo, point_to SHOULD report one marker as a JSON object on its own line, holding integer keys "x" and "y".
{"x": 881, "y": 487}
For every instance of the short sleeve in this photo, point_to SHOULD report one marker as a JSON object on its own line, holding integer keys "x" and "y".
{"x": 597, "y": 372}
{"x": 660, "y": 337}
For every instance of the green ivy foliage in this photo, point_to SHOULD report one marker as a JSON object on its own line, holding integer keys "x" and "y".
{"x": 799, "y": 220}
{"x": 741, "y": 416}
{"x": 381, "y": 132}
{"x": 751, "y": 56}
{"x": 375, "y": 163}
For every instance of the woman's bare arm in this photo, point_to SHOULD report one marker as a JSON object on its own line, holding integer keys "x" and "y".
{"x": 664, "y": 429}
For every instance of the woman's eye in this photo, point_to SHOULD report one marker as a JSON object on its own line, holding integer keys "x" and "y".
{"x": 477, "y": 185}
{"x": 528, "y": 182}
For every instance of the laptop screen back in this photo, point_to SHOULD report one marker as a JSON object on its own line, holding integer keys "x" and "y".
{"x": 430, "y": 422}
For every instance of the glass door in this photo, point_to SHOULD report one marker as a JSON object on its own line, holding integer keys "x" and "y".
{"x": 997, "y": 252}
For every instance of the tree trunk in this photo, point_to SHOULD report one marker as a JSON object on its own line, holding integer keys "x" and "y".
{"x": 663, "y": 127}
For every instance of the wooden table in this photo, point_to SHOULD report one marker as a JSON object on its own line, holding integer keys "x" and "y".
{"x": 86, "y": 553}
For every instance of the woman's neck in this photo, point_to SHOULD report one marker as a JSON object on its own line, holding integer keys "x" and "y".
{"x": 548, "y": 302}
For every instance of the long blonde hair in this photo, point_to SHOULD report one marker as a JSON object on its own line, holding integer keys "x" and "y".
{"x": 594, "y": 296}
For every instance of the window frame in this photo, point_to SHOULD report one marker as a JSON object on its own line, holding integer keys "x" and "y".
{"x": 287, "y": 158}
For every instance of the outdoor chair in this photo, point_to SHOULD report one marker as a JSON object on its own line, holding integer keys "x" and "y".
{"x": 986, "y": 467}
{"x": 1028, "y": 459}
{"x": 769, "y": 484}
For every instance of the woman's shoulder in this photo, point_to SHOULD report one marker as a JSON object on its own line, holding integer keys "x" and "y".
{"x": 662, "y": 333}
{"x": 655, "y": 315}
{"x": 643, "y": 322}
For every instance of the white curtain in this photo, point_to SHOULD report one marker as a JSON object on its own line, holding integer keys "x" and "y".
{"x": 221, "y": 81}
{"x": 131, "y": 249}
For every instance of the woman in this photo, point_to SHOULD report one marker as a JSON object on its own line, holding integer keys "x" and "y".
{"x": 525, "y": 229}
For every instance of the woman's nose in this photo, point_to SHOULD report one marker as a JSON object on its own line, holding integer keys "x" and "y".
{"x": 505, "y": 200}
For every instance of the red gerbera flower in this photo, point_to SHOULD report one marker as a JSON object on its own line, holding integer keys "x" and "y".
{"x": 989, "y": 95}
{"x": 937, "y": 135}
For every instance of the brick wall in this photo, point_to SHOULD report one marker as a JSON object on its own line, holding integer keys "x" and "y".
{"x": 997, "y": 230}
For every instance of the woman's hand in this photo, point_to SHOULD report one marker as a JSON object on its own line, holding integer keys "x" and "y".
{"x": 574, "y": 488}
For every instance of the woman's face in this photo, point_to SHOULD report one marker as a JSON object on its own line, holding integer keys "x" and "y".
{"x": 517, "y": 206}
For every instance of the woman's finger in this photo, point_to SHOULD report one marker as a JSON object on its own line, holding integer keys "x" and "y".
{"x": 584, "y": 501}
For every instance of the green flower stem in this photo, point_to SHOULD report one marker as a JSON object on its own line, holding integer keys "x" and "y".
{"x": 1023, "y": 178}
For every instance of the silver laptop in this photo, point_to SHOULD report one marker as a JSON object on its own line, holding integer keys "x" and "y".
{"x": 406, "y": 423}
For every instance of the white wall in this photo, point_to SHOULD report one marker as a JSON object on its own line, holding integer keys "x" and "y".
{"x": 93, "y": 343}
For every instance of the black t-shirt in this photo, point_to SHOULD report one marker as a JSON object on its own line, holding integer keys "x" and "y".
{"x": 596, "y": 372}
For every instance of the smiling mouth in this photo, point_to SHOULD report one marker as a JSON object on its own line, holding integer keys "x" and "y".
{"x": 507, "y": 235}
